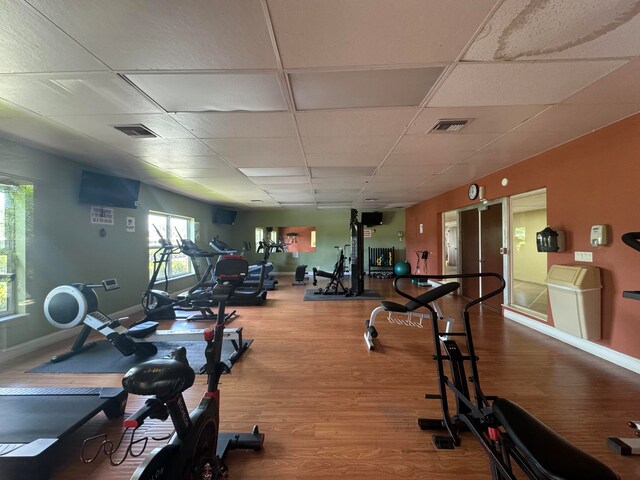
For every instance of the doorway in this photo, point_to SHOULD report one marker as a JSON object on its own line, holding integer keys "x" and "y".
{"x": 450, "y": 236}
{"x": 528, "y": 266}
{"x": 482, "y": 241}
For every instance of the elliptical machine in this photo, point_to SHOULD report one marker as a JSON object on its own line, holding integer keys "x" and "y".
{"x": 158, "y": 304}
{"x": 506, "y": 432}
{"x": 197, "y": 448}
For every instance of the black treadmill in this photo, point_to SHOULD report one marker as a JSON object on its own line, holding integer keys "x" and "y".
{"x": 36, "y": 420}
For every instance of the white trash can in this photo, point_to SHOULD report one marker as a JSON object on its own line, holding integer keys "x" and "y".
{"x": 575, "y": 297}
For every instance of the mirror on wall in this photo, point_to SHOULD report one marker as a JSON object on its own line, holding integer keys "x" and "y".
{"x": 285, "y": 239}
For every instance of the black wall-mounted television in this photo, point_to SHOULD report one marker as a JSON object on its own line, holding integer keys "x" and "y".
{"x": 224, "y": 217}
{"x": 371, "y": 218}
{"x": 108, "y": 191}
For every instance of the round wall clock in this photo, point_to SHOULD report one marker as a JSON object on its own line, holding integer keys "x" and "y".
{"x": 473, "y": 191}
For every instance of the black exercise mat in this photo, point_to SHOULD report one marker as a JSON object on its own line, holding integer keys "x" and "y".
{"x": 310, "y": 295}
{"x": 105, "y": 358}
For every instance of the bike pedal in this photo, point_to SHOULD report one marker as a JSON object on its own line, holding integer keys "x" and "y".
{"x": 442, "y": 442}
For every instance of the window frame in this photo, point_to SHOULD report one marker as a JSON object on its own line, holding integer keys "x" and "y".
{"x": 169, "y": 233}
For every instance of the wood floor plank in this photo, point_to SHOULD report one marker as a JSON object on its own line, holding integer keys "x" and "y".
{"x": 331, "y": 408}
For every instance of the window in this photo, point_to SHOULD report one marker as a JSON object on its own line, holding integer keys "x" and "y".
{"x": 15, "y": 218}
{"x": 163, "y": 226}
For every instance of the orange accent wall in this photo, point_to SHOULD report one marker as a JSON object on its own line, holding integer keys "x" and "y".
{"x": 302, "y": 242}
{"x": 592, "y": 180}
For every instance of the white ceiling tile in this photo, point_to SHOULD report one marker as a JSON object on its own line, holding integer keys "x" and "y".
{"x": 339, "y": 182}
{"x": 74, "y": 94}
{"x": 517, "y": 146}
{"x": 418, "y": 158}
{"x": 157, "y": 34}
{"x": 415, "y": 170}
{"x": 280, "y": 180}
{"x": 444, "y": 147}
{"x": 318, "y": 172}
{"x": 286, "y": 187}
{"x": 485, "y": 119}
{"x": 377, "y": 146}
{"x": 31, "y": 43}
{"x": 557, "y": 29}
{"x": 576, "y": 120}
{"x": 381, "y": 32}
{"x": 339, "y": 159}
{"x": 101, "y": 127}
{"x": 297, "y": 197}
{"x": 257, "y": 152}
{"x": 518, "y": 83}
{"x": 400, "y": 87}
{"x": 188, "y": 162}
{"x": 147, "y": 147}
{"x": 237, "y": 124}
{"x": 271, "y": 172}
{"x": 620, "y": 86}
{"x": 202, "y": 92}
{"x": 335, "y": 196}
{"x": 388, "y": 121}
{"x": 397, "y": 181}
{"x": 220, "y": 172}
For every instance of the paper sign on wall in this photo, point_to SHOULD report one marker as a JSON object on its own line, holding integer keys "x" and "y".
{"x": 367, "y": 233}
{"x": 102, "y": 215}
{"x": 131, "y": 224}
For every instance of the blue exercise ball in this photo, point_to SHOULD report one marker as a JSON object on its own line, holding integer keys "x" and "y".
{"x": 402, "y": 268}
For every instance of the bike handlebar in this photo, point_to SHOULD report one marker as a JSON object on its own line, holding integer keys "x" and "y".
{"x": 457, "y": 276}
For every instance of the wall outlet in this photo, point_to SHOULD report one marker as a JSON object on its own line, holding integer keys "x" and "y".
{"x": 583, "y": 256}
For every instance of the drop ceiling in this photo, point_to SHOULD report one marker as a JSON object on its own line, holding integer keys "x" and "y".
{"x": 288, "y": 103}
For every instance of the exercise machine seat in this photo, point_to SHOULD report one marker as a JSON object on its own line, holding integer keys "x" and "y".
{"x": 550, "y": 455}
{"x": 165, "y": 377}
{"x": 422, "y": 300}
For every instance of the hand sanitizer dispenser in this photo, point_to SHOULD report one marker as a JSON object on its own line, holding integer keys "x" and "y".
{"x": 598, "y": 235}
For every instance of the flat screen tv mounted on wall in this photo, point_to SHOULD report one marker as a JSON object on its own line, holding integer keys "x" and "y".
{"x": 223, "y": 216}
{"x": 108, "y": 191}
{"x": 371, "y": 218}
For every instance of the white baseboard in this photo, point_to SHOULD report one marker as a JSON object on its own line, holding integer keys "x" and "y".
{"x": 39, "y": 343}
{"x": 620, "y": 359}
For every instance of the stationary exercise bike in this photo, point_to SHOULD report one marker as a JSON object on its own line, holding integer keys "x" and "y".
{"x": 506, "y": 431}
{"x": 197, "y": 449}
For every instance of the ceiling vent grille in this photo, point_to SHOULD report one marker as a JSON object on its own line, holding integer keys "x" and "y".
{"x": 135, "y": 131}
{"x": 449, "y": 125}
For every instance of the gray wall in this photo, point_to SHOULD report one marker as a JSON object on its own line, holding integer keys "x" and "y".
{"x": 65, "y": 247}
{"x": 332, "y": 229}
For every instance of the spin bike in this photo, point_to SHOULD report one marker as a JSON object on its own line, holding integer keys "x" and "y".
{"x": 196, "y": 450}
{"x": 507, "y": 433}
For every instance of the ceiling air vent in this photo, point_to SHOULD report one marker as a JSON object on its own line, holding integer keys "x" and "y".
{"x": 449, "y": 125}
{"x": 135, "y": 131}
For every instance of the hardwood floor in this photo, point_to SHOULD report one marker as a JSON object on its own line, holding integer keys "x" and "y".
{"x": 330, "y": 408}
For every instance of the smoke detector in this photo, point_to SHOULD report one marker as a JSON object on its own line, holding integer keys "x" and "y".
{"x": 450, "y": 125}
{"x": 135, "y": 131}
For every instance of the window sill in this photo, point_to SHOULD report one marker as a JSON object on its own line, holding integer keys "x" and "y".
{"x": 11, "y": 318}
